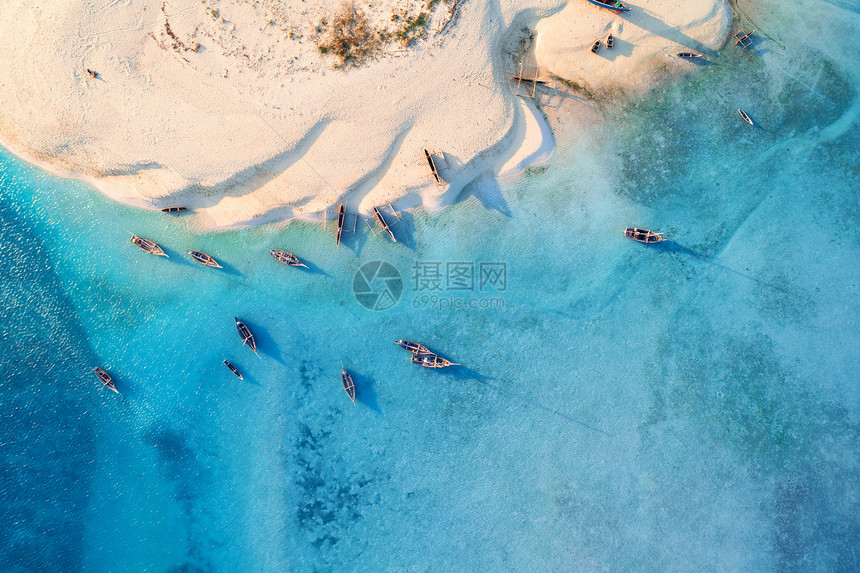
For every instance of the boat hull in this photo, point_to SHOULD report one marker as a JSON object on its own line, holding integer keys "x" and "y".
{"x": 643, "y": 235}
{"x": 348, "y": 384}
{"x": 610, "y": 7}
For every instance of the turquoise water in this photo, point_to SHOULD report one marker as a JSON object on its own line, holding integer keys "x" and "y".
{"x": 687, "y": 407}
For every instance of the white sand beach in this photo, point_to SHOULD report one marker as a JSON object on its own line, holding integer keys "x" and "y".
{"x": 230, "y": 108}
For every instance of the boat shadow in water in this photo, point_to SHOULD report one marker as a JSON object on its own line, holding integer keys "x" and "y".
{"x": 403, "y": 229}
{"x": 179, "y": 258}
{"x": 266, "y": 345}
{"x": 364, "y": 390}
{"x": 355, "y": 233}
{"x": 487, "y": 192}
{"x": 247, "y": 377}
{"x": 228, "y": 269}
{"x": 526, "y": 400}
{"x": 673, "y": 247}
{"x": 311, "y": 269}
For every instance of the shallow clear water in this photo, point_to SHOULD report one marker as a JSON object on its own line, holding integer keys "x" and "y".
{"x": 686, "y": 407}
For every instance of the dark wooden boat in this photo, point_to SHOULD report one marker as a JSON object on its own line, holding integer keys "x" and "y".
{"x": 432, "y": 164}
{"x": 384, "y": 224}
{"x": 150, "y": 247}
{"x": 233, "y": 369}
{"x": 745, "y": 116}
{"x": 413, "y": 347}
{"x": 744, "y": 38}
{"x": 610, "y": 41}
{"x": 340, "y": 217}
{"x": 430, "y": 360}
{"x": 245, "y": 333}
{"x": 595, "y": 46}
{"x": 643, "y": 235}
{"x": 616, "y": 7}
{"x": 174, "y": 209}
{"x": 689, "y": 55}
{"x": 287, "y": 258}
{"x": 348, "y": 384}
{"x": 204, "y": 259}
{"x": 530, "y": 80}
{"x": 105, "y": 379}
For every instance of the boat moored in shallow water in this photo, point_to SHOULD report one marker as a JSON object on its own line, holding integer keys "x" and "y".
{"x": 643, "y": 235}
{"x": 384, "y": 224}
{"x": 245, "y": 334}
{"x": 150, "y": 247}
{"x": 105, "y": 379}
{"x": 689, "y": 55}
{"x": 348, "y": 384}
{"x": 746, "y": 117}
{"x": 430, "y": 360}
{"x": 413, "y": 347}
{"x": 174, "y": 209}
{"x": 233, "y": 369}
{"x": 340, "y": 217}
{"x": 287, "y": 258}
{"x": 204, "y": 259}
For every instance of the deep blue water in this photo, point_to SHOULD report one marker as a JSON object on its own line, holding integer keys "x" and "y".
{"x": 685, "y": 407}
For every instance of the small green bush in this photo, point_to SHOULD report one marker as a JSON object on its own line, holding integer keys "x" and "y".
{"x": 350, "y": 37}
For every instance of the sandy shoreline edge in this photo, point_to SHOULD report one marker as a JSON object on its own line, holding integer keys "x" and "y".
{"x": 284, "y": 138}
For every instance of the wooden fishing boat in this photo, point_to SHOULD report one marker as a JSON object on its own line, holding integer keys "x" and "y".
{"x": 530, "y": 80}
{"x": 150, "y": 247}
{"x": 174, "y": 209}
{"x": 610, "y": 41}
{"x": 413, "y": 347}
{"x": 595, "y": 46}
{"x": 746, "y": 117}
{"x": 348, "y": 384}
{"x": 245, "y": 334}
{"x": 384, "y": 224}
{"x": 744, "y": 39}
{"x": 616, "y": 7}
{"x": 287, "y": 258}
{"x": 105, "y": 379}
{"x": 233, "y": 369}
{"x": 432, "y": 164}
{"x": 204, "y": 259}
{"x": 340, "y": 216}
{"x": 431, "y": 360}
{"x": 643, "y": 235}
{"x": 689, "y": 55}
